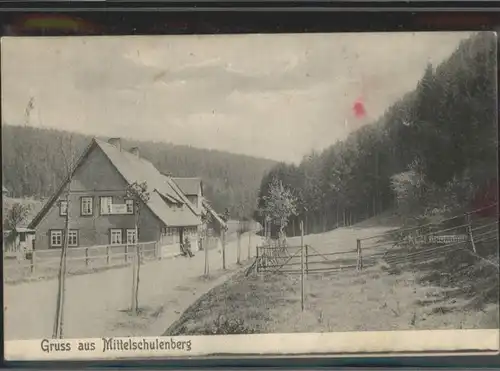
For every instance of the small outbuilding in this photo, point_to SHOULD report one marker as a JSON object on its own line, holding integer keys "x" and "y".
{"x": 18, "y": 243}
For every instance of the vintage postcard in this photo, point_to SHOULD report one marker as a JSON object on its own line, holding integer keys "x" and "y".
{"x": 242, "y": 195}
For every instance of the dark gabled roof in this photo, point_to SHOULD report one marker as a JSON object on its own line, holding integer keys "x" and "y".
{"x": 189, "y": 186}
{"x": 136, "y": 169}
{"x": 210, "y": 210}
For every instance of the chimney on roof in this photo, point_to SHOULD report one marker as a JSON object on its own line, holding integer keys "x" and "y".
{"x": 135, "y": 151}
{"x": 117, "y": 142}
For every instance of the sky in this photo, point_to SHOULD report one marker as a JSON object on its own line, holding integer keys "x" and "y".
{"x": 274, "y": 96}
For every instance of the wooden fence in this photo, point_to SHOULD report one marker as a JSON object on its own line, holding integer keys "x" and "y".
{"x": 478, "y": 238}
{"x": 460, "y": 232}
{"x": 45, "y": 263}
{"x": 294, "y": 259}
{"x": 278, "y": 257}
{"x": 433, "y": 240}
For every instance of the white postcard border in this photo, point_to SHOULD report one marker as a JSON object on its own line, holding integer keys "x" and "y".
{"x": 380, "y": 342}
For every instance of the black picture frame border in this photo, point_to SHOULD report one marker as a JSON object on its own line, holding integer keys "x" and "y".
{"x": 237, "y": 17}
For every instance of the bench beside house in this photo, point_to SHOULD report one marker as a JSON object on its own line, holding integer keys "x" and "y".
{"x": 101, "y": 214}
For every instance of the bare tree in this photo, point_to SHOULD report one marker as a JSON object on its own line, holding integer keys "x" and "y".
{"x": 27, "y": 112}
{"x": 68, "y": 154}
{"x": 206, "y": 219}
{"x": 240, "y": 231}
{"x": 139, "y": 193}
{"x": 225, "y": 217}
{"x": 25, "y": 154}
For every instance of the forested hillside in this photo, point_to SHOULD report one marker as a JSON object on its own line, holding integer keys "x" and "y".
{"x": 436, "y": 148}
{"x": 33, "y": 166}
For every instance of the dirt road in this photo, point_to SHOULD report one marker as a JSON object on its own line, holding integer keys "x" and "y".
{"x": 97, "y": 304}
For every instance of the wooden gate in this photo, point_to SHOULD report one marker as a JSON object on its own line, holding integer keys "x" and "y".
{"x": 297, "y": 259}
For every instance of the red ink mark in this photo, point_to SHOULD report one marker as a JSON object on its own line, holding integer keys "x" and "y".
{"x": 485, "y": 201}
{"x": 359, "y": 108}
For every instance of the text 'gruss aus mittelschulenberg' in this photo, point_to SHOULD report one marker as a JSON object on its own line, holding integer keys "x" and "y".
{"x": 115, "y": 344}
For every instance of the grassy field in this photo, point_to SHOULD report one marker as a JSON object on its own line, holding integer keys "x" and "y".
{"x": 447, "y": 290}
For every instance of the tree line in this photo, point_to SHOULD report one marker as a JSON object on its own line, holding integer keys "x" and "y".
{"x": 436, "y": 147}
{"x": 33, "y": 166}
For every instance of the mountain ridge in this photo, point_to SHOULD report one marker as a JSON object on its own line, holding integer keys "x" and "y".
{"x": 33, "y": 163}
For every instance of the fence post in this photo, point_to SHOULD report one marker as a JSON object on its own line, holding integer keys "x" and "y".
{"x": 469, "y": 233}
{"x": 135, "y": 262}
{"x": 223, "y": 249}
{"x": 257, "y": 258}
{"x": 307, "y": 259}
{"x": 107, "y": 254}
{"x": 238, "y": 253}
{"x": 155, "y": 251}
{"x": 140, "y": 253}
{"x": 302, "y": 265}
{"x": 86, "y": 256}
{"x": 204, "y": 245}
{"x": 126, "y": 253}
{"x": 360, "y": 258}
{"x": 265, "y": 228}
{"x": 249, "y": 243}
{"x": 32, "y": 262}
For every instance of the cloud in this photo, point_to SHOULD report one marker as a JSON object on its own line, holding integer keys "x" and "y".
{"x": 275, "y": 96}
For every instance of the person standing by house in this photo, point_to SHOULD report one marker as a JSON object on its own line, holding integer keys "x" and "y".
{"x": 186, "y": 247}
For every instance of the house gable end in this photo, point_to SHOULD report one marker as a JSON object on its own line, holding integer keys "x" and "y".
{"x": 127, "y": 181}
{"x": 46, "y": 208}
{"x": 183, "y": 197}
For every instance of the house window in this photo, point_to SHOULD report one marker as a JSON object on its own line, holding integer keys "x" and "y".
{"x": 115, "y": 236}
{"x": 130, "y": 206}
{"x": 172, "y": 231}
{"x": 63, "y": 208}
{"x": 86, "y": 206}
{"x": 131, "y": 236}
{"x": 22, "y": 237}
{"x": 73, "y": 238}
{"x": 190, "y": 231}
{"x": 106, "y": 202}
{"x": 56, "y": 238}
